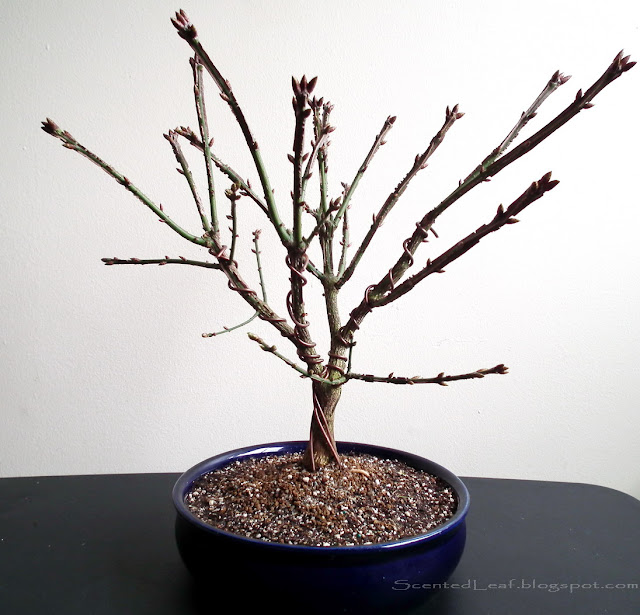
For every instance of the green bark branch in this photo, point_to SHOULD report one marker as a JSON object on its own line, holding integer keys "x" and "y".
{"x": 69, "y": 142}
{"x": 234, "y": 176}
{"x": 256, "y": 251}
{"x": 201, "y": 111}
{"x": 172, "y": 137}
{"x": 187, "y": 31}
{"x": 301, "y": 370}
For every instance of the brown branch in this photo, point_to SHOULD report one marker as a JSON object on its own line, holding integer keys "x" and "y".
{"x": 440, "y": 379}
{"x": 557, "y": 79}
{"x": 502, "y": 217}
{"x": 582, "y": 101}
{"x": 420, "y": 163}
{"x": 535, "y": 191}
{"x": 322, "y": 221}
{"x": 301, "y": 91}
{"x": 256, "y": 251}
{"x": 482, "y": 173}
{"x": 265, "y": 312}
{"x": 297, "y": 262}
{"x": 377, "y": 144}
{"x": 159, "y": 261}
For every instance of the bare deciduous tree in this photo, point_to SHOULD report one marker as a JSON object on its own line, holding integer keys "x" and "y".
{"x": 330, "y": 220}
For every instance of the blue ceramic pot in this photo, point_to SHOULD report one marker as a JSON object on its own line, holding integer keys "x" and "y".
{"x": 391, "y": 578}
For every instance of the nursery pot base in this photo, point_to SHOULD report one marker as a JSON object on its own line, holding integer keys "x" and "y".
{"x": 276, "y": 577}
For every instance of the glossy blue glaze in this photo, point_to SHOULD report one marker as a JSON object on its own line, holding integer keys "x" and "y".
{"x": 391, "y": 578}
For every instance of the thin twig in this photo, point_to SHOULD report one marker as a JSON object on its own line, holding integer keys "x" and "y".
{"x": 420, "y": 163}
{"x": 535, "y": 191}
{"x": 159, "y": 261}
{"x": 318, "y": 227}
{"x": 256, "y": 251}
{"x": 377, "y": 144}
{"x": 503, "y": 217}
{"x": 316, "y": 146}
{"x": 557, "y": 79}
{"x": 203, "y": 123}
{"x": 306, "y": 374}
{"x": 187, "y": 31}
{"x": 233, "y": 196}
{"x": 172, "y": 137}
{"x": 69, "y": 142}
{"x": 440, "y": 379}
{"x": 344, "y": 242}
{"x": 482, "y": 173}
{"x": 235, "y": 177}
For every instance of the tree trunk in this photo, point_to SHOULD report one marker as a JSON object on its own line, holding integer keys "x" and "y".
{"x": 321, "y": 448}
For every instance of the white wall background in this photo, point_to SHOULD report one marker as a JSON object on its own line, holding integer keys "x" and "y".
{"x": 105, "y": 370}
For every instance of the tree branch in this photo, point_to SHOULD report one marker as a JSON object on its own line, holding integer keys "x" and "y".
{"x": 489, "y": 167}
{"x": 420, "y": 163}
{"x": 256, "y": 251}
{"x": 344, "y": 243}
{"x": 502, "y": 217}
{"x": 306, "y": 374}
{"x": 301, "y": 91}
{"x": 69, "y": 142}
{"x": 187, "y": 31}
{"x": 172, "y": 137}
{"x": 188, "y": 134}
{"x": 535, "y": 191}
{"x": 557, "y": 79}
{"x": 322, "y": 222}
{"x": 201, "y": 112}
{"x": 377, "y": 144}
{"x": 234, "y": 197}
{"x": 160, "y": 261}
{"x": 482, "y": 173}
{"x": 440, "y": 379}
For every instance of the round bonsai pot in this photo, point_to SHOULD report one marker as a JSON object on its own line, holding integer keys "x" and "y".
{"x": 391, "y": 577}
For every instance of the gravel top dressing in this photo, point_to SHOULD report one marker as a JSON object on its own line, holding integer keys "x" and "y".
{"x": 366, "y": 500}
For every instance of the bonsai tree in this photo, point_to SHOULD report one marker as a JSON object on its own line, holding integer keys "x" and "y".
{"x": 323, "y": 221}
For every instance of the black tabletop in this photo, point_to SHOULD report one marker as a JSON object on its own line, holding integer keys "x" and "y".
{"x": 103, "y": 545}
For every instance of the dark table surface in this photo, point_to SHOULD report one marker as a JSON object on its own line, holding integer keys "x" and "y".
{"x": 103, "y": 545}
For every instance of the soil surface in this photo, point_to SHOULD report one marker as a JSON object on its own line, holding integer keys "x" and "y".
{"x": 365, "y": 500}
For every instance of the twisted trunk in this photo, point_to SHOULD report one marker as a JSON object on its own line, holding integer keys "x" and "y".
{"x": 321, "y": 448}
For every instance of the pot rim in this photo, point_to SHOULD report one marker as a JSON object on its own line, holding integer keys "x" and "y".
{"x": 185, "y": 481}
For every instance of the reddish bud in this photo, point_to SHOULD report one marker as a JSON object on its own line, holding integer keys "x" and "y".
{"x": 185, "y": 28}
{"x": 50, "y": 127}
